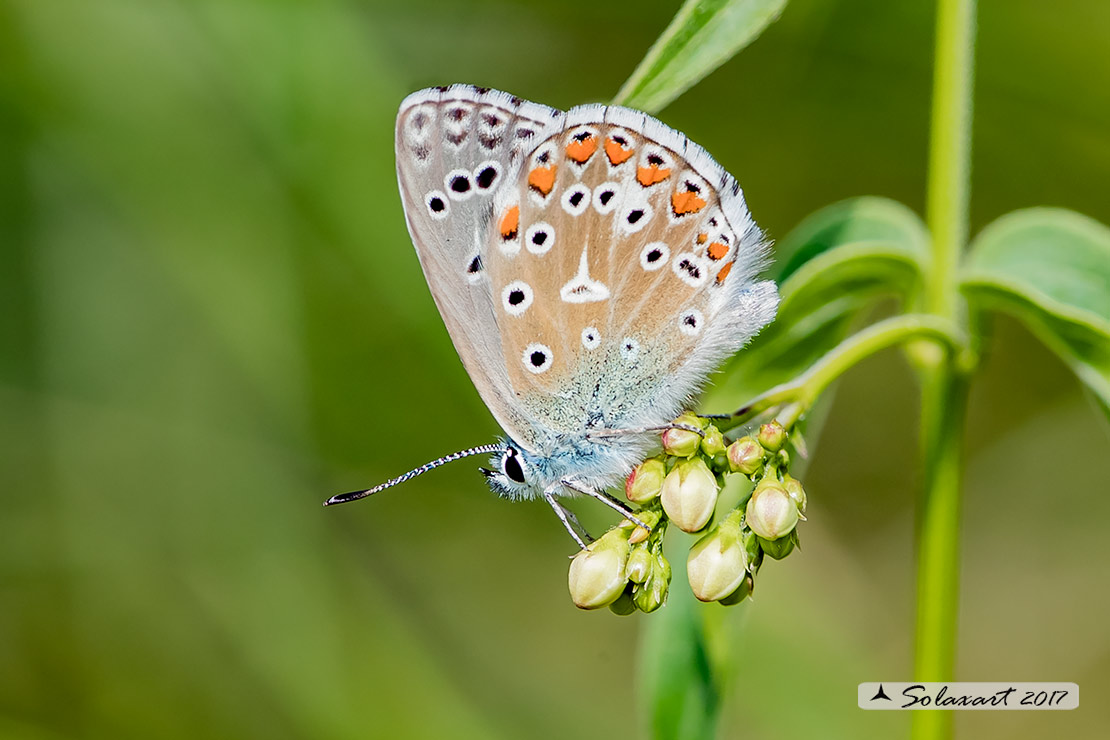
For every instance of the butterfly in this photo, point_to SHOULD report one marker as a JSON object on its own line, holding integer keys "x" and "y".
{"x": 592, "y": 267}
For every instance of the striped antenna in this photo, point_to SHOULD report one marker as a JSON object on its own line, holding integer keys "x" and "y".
{"x": 343, "y": 498}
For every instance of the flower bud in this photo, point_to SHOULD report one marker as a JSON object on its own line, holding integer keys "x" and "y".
{"x": 745, "y": 455}
{"x": 645, "y": 481}
{"x": 680, "y": 442}
{"x": 717, "y": 564}
{"x": 743, "y": 591}
{"x": 624, "y": 605}
{"x": 713, "y": 443}
{"x": 793, "y": 487}
{"x": 597, "y": 574}
{"x": 772, "y": 436}
{"x": 640, "y": 564}
{"x": 771, "y": 513}
{"x": 690, "y": 494}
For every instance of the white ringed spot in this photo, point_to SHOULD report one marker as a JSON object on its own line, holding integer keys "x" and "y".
{"x": 605, "y": 197}
{"x": 537, "y": 358}
{"x": 458, "y": 184}
{"x": 690, "y": 322}
{"x": 486, "y": 175}
{"x": 437, "y": 205}
{"x": 576, "y": 199}
{"x": 691, "y": 269}
{"x": 634, "y": 218}
{"x": 516, "y": 297}
{"x": 591, "y": 338}
{"x": 654, "y": 256}
{"x": 539, "y": 238}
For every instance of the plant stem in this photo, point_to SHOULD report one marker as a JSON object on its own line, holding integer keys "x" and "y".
{"x": 944, "y": 386}
{"x": 949, "y": 151}
{"x": 805, "y": 389}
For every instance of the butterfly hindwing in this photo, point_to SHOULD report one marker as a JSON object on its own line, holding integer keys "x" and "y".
{"x": 622, "y": 265}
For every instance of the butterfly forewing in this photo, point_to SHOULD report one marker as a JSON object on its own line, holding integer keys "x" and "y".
{"x": 456, "y": 148}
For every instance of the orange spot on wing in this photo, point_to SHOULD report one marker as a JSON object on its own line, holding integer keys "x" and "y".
{"x": 616, "y": 152}
{"x": 510, "y": 222}
{"x": 703, "y": 238}
{"x": 686, "y": 202}
{"x": 717, "y": 251}
{"x": 542, "y": 179}
{"x": 580, "y": 151}
{"x": 648, "y": 176}
{"x": 723, "y": 273}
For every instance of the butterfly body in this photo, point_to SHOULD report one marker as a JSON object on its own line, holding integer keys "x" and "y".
{"x": 592, "y": 268}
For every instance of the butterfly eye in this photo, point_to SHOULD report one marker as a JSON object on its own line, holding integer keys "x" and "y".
{"x": 511, "y": 467}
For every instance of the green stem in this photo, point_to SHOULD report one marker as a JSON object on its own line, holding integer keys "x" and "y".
{"x": 949, "y": 150}
{"x": 944, "y": 384}
{"x": 804, "y": 389}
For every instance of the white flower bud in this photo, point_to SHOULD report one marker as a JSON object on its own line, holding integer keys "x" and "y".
{"x": 690, "y": 494}
{"x": 597, "y": 574}
{"x": 645, "y": 481}
{"x": 771, "y": 513}
{"x": 745, "y": 455}
{"x": 717, "y": 564}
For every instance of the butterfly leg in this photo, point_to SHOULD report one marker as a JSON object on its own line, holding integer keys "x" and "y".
{"x": 567, "y": 517}
{"x": 606, "y": 499}
{"x": 602, "y": 433}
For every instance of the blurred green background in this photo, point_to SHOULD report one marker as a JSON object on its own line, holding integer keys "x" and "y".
{"x": 211, "y": 319}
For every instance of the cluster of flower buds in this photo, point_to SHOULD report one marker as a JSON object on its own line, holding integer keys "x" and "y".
{"x": 626, "y": 569}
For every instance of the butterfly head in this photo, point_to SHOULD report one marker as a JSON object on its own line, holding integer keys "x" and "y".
{"x": 514, "y": 473}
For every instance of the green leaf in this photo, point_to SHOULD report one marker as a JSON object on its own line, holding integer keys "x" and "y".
{"x": 703, "y": 35}
{"x": 836, "y": 264}
{"x": 863, "y": 247}
{"x": 1049, "y": 268}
